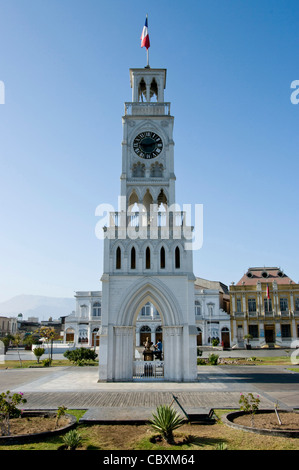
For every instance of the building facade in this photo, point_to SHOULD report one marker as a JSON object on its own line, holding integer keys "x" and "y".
{"x": 265, "y": 305}
{"x": 211, "y": 309}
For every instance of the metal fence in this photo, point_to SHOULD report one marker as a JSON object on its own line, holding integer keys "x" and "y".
{"x": 148, "y": 370}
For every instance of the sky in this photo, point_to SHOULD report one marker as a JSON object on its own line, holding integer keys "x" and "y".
{"x": 64, "y": 68}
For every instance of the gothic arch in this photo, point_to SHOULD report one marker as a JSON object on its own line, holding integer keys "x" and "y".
{"x": 149, "y": 290}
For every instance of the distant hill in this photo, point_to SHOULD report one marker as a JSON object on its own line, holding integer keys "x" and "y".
{"x": 37, "y": 306}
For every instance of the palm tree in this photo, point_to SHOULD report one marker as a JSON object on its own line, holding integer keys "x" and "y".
{"x": 166, "y": 421}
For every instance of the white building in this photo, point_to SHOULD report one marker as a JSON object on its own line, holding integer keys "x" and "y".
{"x": 211, "y": 306}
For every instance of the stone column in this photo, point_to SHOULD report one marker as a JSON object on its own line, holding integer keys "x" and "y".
{"x": 123, "y": 353}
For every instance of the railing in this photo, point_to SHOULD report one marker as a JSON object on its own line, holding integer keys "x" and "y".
{"x": 144, "y": 219}
{"x": 147, "y": 108}
{"x": 148, "y": 370}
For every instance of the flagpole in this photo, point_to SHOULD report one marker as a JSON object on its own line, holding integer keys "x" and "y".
{"x": 147, "y": 54}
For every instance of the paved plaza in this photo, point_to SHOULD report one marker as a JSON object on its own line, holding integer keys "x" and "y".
{"x": 216, "y": 387}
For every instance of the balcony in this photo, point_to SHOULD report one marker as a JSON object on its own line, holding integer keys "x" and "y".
{"x": 147, "y": 109}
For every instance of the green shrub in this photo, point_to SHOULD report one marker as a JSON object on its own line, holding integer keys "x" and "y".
{"x": 81, "y": 356}
{"x": 47, "y": 362}
{"x": 213, "y": 359}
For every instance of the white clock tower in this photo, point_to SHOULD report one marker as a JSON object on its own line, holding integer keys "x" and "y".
{"x": 145, "y": 255}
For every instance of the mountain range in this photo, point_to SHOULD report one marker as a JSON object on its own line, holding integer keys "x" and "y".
{"x": 38, "y": 306}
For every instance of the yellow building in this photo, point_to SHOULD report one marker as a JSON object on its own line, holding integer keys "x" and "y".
{"x": 265, "y": 305}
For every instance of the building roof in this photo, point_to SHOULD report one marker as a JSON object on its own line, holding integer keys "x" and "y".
{"x": 264, "y": 275}
{"x": 200, "y": 283}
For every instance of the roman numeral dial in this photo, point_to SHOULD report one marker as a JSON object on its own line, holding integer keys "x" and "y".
{"x": 148, "y": 145}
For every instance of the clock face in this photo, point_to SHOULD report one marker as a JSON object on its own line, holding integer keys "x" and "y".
{"x": 148, "y": 145}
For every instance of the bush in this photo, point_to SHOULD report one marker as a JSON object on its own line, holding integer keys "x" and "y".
{"x": 81, "y": 356}
{"x": 47, "y": 362}
{"x": 213, "y": 359}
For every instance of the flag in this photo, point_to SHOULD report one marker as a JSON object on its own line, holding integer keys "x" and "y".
{"x": 145, "y": 42}
{"x": 267, "y": 292}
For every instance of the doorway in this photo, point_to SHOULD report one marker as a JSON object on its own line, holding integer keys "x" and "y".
{"x": 269, "y": 334}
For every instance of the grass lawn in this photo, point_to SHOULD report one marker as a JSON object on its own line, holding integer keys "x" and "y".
{"x": 27, "y": 364}
{"x": 142, "y": 437}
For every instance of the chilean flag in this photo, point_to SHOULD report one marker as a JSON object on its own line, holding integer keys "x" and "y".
{"x": 145, "y": 42}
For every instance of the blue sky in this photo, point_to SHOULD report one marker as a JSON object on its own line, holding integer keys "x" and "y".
{"x": 65, "y": 65}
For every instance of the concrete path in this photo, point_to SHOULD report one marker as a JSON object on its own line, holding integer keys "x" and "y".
{"x": 217, "y": 387}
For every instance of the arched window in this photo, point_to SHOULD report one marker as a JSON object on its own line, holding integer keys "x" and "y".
{"x": 96, "y": 309}
{"x": 118, "y": 258}
{"x": 177, "y": 258}
{"x": 162, "y": 258}
{"x": 147, "y": 258}
{"x": 133, "y": 258}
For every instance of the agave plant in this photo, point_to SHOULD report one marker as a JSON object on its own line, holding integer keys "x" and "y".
{"x": 166, "y": 421}
{"x": 72, "y": 439}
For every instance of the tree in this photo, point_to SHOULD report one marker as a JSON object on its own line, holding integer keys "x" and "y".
{"x": 48, "y": 334}
{"x": 17, "y": 340}
{"x": 38, "y": 352}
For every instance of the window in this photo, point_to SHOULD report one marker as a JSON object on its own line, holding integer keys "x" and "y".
{"x": 267, "y": 304}
{"x": 146, "y": 310}
{"x": 285, "y": 330}
{"x": 177, "y": 258}
{"x": 253, "y": 330}
{"x": 162, "y": 258}
{"x": 147, "y": 258}
{"x": 197, "y": 307}
{"x": 283, "y": 304}
{"x": 251, "y": 305}
{"x": 239, "y": 306}
{"x": 96, "y": 309}
{"x": 297, "y": 304}
{"x": 118, "y": 258}
{"x": 133, "y": 258}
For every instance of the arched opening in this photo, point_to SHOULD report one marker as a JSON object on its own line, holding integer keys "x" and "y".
{"x": 148, "y": 258}
{"x": 225, "y": 337}
{"x": 162, "y": 199}
{"x": 83, "y": 334}
{"x": 159, "y": 334}
{"x": 70, "y": 335}
{"x": 177, "y": 257}
{"x": 133, "y": 258}
{"x": 147, "y": 202}
{"x": 95, "y": 341}
{"x": 118, "y": 258}
{"x": 154, "y": 90}
{"x": 145, "y": 332}
{"x": 142, "y": 90}
{"x": 162, "y": 258}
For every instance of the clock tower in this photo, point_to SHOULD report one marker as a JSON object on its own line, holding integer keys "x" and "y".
{"x": 146, "y": 258}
